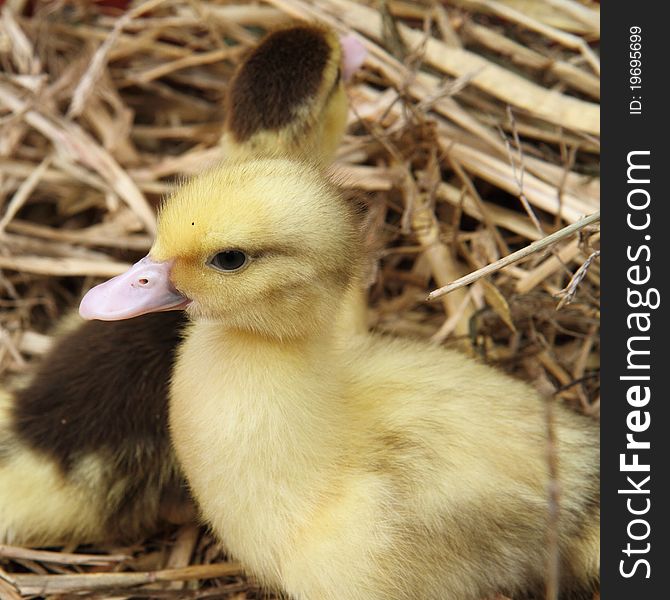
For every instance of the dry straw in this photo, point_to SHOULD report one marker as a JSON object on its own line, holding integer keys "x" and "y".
{"x": 473, "y": 137}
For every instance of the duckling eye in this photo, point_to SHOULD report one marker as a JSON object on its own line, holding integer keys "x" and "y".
{"x": 229, "y": 260}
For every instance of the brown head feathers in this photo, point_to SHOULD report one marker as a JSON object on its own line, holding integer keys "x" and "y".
{"x": 285, "y": 71}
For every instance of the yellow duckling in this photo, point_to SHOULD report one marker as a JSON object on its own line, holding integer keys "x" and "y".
{"x": 371, "y": 468}
{"x": 85, "y": 453}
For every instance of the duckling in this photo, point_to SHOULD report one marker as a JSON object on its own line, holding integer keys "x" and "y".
{"x": 85, "y": 453}
{"x": 344, "y": 467}
{"x": 288, "y": 98}
{"x": 84, "y": 447}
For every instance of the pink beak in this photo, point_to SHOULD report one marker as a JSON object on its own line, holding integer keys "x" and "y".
{"x": 144, "y": 288}
{"x": 353, "y": 55}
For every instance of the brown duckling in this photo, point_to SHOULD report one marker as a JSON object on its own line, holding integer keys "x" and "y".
{"x": 288, "y": 99}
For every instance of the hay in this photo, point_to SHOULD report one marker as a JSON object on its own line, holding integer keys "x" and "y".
{"x": 473, "y": 133}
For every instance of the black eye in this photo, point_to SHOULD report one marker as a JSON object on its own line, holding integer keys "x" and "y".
{"x": 229, "y": 260}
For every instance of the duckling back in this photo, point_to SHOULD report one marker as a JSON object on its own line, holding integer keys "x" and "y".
{"x": 464, "y": 451}
{"x": 84, "y": 448}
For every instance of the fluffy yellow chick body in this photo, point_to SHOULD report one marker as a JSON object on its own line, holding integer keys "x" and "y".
{"x": 360, "y": 468}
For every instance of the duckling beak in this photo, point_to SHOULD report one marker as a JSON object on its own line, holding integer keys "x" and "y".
{"x": 353, "y": 55}
{"x": 142, "y": 289}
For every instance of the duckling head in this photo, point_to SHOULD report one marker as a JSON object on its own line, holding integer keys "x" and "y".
{"x": 267, "y": 247}
{"x": 288, "y": 97}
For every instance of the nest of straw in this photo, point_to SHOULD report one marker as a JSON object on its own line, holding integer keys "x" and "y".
{"x": 474, "y": 132}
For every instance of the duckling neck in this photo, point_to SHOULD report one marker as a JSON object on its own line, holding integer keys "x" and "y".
{"x": 264, "y": 396}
